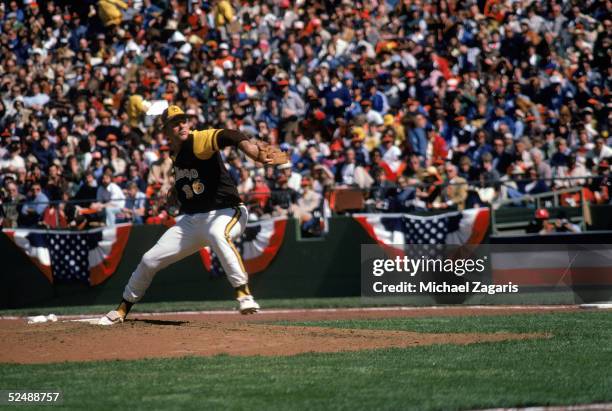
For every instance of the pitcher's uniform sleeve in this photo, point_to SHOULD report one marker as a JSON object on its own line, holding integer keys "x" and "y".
{"x": 230, "y": 138}
{"x": 206, "y": 142}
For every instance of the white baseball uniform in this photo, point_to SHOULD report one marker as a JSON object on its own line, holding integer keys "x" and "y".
{"x": 212, "y": 212}
{"x": 216, "y": 228}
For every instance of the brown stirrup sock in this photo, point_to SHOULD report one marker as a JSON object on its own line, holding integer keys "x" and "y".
{"x": 242, "y": 291}
{"x": 124, "y": 308}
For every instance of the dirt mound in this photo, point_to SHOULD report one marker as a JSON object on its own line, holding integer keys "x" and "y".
{"x": 331, "y": 314}
{"x": 155, "y": 338}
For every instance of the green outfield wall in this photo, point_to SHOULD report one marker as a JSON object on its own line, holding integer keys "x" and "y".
{"x": 327, "y": 267}
{"x": 303, "y": 268}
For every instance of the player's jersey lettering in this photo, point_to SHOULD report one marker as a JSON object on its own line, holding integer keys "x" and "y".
{"x": 190, "y": 173}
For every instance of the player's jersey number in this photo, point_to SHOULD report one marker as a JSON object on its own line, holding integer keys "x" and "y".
{"x": 196, "y": 188}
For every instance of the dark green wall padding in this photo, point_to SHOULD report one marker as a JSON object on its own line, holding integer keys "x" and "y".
{"x": 303, "y": 268}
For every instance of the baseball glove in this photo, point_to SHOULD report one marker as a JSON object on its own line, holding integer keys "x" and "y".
{"x": 273, "y": 155}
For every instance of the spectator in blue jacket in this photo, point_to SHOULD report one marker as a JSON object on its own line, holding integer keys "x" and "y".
{"x": 337, "y": 97}
{"x": 379, "y": 100}
{"x": 480, "y": 147}
{"x": 33, "y": 209}
{"x": 44, "y": 152}
{"x": 418, "y": 136}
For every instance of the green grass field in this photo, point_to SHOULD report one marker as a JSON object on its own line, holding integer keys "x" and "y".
{"x": 572, "y": 367}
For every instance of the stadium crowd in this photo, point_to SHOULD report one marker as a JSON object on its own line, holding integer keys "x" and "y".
{"x": 420, "y": 105}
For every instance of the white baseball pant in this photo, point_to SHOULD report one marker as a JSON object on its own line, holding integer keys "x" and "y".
{"x": 216, "y": 229}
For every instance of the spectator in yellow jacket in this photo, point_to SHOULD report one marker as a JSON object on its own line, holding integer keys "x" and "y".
{"x": 136, "y": 107}
{"x": 110, "y": 13}
{"x": 224, "y": 13}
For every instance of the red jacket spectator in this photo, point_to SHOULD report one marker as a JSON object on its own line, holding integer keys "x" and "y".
{"x": 439, "y": 150}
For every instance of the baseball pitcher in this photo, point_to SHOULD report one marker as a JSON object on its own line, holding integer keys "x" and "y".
{"x": 211, "y": 212}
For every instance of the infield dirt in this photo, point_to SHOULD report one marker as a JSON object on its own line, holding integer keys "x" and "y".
{"x": 192, "y": 334}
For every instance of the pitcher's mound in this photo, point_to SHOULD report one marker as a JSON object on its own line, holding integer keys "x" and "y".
{"x": 77, "y": 341}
